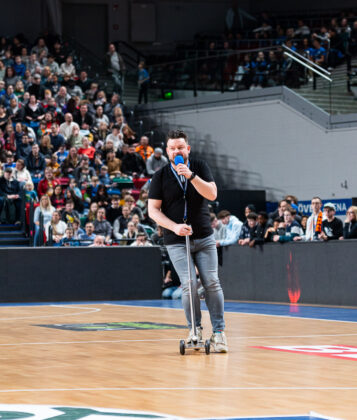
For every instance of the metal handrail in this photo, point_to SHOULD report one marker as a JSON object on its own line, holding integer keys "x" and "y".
{"x": 31, "y": 224}
{"x": 131, "y": 47}
{"x": 41, "y": 230}
{"x": 50, "y": 236}
{"x": 213, "y": 57}
{"x": 308, "y": 66}
{"x": 23, "y": 211}
{"x": 311, "y": 63}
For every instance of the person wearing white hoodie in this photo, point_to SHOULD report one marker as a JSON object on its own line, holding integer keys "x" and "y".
{"x": 20, "y": 173}
{"x": 233, "y": 227}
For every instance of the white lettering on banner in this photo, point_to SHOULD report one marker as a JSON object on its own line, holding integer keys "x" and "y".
{"x": 341, "y": 207}
{"x": 305, "y": 208}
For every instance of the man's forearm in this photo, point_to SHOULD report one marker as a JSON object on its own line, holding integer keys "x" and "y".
{"x": 207, "y": 189}
{"x": 162, "y": 220}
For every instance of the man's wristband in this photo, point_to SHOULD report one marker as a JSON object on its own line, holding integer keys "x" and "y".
{"x": 192, "y": 176}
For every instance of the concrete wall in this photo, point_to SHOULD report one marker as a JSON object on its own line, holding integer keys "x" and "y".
{"x": 175, "y": 19}
{"x": 14, "y": 18}
{"x": 269, "y": 145}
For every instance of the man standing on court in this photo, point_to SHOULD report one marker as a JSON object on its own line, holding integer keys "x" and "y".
{"x": 178, "y": 202}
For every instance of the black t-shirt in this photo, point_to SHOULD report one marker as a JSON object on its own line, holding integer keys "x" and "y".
{"x": 165, "y": 186}
{"x": 333, "y": 229}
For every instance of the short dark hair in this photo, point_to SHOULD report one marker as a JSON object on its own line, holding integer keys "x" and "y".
{"x": 293, "y": 199}
{"x": 222, "y": 214}
{"x": 251, "y": 207}
{"x": 252, "y": 216}
{"x": 21, "y": 161}
{"x": 177, "y": 134}
{"x": 69, "y": 202}
{"x": 212, "y": 217}
{"x": 263, "y": 214}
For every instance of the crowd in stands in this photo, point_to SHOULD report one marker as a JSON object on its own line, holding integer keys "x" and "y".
{"x": 225, "y": 60}
{"x": 286, "y": 224}
{"x": 67, "y": 148}
{"x": 327, "y": 46}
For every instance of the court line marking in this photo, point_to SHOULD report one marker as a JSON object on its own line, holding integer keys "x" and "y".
{"x": 239, "y": 313}
{"x": 166, "y": 339}
{"x": 90, "y": 310}
{"x": 252, "y": 388}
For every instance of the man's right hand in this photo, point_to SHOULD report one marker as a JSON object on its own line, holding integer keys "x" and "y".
{"x": 183, "y": 230}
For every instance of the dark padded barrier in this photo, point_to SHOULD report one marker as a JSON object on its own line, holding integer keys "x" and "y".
{"x": 314, "y": 273}
{"x": 77, "y": 274}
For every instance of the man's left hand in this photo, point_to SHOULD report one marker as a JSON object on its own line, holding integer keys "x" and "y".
{"x": 182, "y": 169}
{"x": 323, "y": 236}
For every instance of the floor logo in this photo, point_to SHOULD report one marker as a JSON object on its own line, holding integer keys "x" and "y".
{"x": 114, "y": 326}
{"x": 44, "y": 412}
{"x": 335, "y": 352}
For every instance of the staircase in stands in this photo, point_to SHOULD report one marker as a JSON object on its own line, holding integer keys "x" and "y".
{"x": 13, "y": 235}
{"x": 131, "y": 91}
{"x": 343, "y": 102}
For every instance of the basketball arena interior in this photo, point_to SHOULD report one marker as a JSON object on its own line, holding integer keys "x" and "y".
{"x": 164, "y": 161}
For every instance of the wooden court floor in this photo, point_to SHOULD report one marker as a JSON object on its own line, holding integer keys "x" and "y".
{"x": 143, "y": 370}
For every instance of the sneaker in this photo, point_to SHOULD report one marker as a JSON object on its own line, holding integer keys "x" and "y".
{"x": 219, "y": 342}
{"x": 190, "y": 335}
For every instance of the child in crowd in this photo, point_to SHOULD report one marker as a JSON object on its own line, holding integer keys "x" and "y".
{"x": 104, "y": 175}
{"x": 30, "y": 193}
{"x": 249, "y": 231}
{"x": 61, "y": 154}
{"x": 56, "y": 168}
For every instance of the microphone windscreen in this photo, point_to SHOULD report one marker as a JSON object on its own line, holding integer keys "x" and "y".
{"x": 179, "y": 159}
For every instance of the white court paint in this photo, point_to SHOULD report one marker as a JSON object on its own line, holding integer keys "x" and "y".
{"x": 89, "y": 311}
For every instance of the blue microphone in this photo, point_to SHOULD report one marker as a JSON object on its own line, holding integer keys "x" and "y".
{"x": 179, "y": 159}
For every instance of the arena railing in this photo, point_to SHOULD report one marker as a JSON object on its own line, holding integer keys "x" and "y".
{"x": 41, "y": 231}
{"x": 31, "y": 227}
{"x": 23, "y": 211}
{"x": 312, "y": 67}
{"x": 221, "y": 71}
{"x": 86, "y": 242}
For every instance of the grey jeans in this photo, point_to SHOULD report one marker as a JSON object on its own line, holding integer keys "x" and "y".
{"x": 204, "y": 256}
